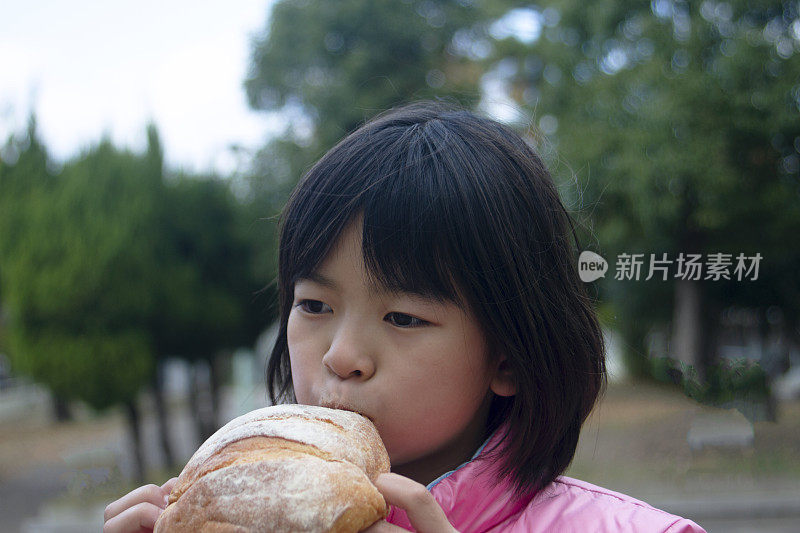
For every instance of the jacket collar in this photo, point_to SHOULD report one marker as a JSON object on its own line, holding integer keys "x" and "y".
{"x": 472, "y": 496}
{"x": 444, "y": 476}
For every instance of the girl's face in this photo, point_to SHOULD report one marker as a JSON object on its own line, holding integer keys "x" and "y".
{"x": 418, "y": 368}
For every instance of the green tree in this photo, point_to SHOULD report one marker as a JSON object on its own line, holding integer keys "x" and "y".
{"x": 76, "y": 283}
{"x": 205, "y": 287}
{"x": 202, "y": 286}
{"x": 115, "y": 265}
{"x": 679, "y": 121}
{"x": 25, "y": 174}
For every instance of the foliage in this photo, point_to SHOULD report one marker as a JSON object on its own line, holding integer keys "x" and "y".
{"x": 23, "y": 173}
{"x": 99, "y": 368}
{"x": 724, "y": 382}
{"x": 203, "y": 270}
{"x": 677, "y": 129}
{"x": 342, "y": 62}
{"x": 76, "y": 280}
{"x": 111, "y": 265}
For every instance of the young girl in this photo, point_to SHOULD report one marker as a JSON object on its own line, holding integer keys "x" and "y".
{"x": 428, "y": 280}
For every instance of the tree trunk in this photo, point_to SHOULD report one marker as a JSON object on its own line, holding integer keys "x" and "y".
{"x": 771, "y": 361}
{"x": 194, "y": 403}
{"x": 135, "y": 430}
{"x": 687, "y": 335}
{"x": 216, "y": 378}
{"x": 61, "y": 409}
{"x": 200, "y": 399}
{"x": 710, "y": 313}
{"x": 161, "y": 415}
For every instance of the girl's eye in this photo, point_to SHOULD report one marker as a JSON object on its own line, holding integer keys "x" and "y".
{"x": 402, "y": 320}
{"x": 315, "y": 307}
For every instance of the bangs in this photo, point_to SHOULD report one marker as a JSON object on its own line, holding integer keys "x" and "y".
{"x": 396, "y": 186}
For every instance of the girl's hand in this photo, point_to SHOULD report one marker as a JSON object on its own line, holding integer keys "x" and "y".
{"x": 421, "y": 507}
{"x": 137, "y": 511}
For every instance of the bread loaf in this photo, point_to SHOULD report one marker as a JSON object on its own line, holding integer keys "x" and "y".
{"x": 286, "y": 468}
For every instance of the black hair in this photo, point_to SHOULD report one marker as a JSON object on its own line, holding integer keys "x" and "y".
{"x": 460, "y": 208}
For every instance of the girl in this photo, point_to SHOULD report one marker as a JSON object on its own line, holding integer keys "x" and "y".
{"x": 428, "y": 279}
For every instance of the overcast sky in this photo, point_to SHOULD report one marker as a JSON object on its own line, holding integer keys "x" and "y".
{"x": 87, "y": 68}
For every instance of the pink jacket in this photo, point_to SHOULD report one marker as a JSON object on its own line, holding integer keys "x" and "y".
{"x": 474, "y": 502}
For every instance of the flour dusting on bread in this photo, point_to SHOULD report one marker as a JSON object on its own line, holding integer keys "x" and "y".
{"x": 282, "y": 468}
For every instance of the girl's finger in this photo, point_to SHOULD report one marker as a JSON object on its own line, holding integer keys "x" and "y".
{"x": 168, "y": 486}
{"x": 384, "y": 527}
{"x": 421, "y": 507}
{"x": 140, "y": 517}
{"x": 152, "y": 494}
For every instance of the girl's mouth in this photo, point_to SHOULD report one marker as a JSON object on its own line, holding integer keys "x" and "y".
{"x": 344, "y": 407}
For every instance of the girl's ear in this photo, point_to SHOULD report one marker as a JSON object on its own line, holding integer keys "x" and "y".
{"x": 503, "y": 383}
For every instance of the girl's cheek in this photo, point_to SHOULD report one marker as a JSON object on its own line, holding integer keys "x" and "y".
{"x": 292, "y": 326}
{"x": 302, "y": 372}
{"x": 299, "y": 379}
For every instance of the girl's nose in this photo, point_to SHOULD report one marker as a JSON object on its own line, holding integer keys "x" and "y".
{"x": 349, "y": 355}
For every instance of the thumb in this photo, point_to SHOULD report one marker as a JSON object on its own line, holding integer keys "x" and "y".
{"x": 421, "y": 507}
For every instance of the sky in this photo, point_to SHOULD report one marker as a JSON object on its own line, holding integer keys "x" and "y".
{"x": 89, "y": 68}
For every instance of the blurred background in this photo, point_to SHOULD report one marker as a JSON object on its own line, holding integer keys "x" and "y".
{"x": 147, "y": 149}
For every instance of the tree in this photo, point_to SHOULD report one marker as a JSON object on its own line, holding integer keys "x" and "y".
{"x": 679, "y": 120}
{"x": 25, "y": 174}
{"x": 205, "y": 286}
{"x": 115, "y": 265}
{"x": 76, "y": 283}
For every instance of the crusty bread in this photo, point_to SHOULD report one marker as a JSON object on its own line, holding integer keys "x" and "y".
{"x": 286, "y": 468}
